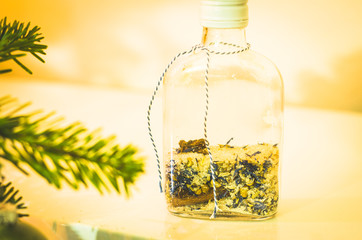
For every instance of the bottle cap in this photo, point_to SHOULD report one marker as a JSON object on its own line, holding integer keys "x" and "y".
{"x": 224, "y": 13}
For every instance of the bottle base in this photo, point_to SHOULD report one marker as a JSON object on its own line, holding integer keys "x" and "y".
{"x": 220, "y": 215}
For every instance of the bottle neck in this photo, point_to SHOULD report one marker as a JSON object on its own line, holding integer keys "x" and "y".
{"x": 215, "y": 36}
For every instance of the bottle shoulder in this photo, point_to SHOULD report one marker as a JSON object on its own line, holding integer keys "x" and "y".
{"x": 260, "y": 61}
{"x": 248, "y": 65}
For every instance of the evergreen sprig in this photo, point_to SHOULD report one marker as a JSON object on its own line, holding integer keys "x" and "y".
{"x": 8, "y": 195}
{"x": 66, "y": 153}
{"x": 17, "y": 39}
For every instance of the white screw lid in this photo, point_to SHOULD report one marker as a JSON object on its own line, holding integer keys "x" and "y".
{"x": 224, "y": 13}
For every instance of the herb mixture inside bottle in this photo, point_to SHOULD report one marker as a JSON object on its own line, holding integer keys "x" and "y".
{"x": 246, "y": 179}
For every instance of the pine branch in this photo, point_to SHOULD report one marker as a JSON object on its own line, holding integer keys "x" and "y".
{"x": 17, "y": 39}
{"x": 10, "y": 204}
{"x": 67, "y": 154}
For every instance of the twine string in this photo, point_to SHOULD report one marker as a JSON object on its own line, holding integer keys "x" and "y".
{"x": 150, "y": 108}
{"x": 212, "y": 167}
{"x": 239, "y": 49}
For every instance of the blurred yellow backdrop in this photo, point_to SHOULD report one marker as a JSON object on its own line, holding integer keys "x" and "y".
{"x": 317, "y": 44}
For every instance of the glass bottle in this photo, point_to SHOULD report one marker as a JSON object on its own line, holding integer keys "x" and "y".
{"x": 244, "y": 123}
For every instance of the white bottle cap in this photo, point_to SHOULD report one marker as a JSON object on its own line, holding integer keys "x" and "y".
{"x": 224, "y": 13}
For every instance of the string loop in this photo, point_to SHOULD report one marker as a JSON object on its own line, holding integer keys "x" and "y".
{"x": 238, "y": 50}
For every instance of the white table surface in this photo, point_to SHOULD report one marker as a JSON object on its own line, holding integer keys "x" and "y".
{"x": 321, "y": 180}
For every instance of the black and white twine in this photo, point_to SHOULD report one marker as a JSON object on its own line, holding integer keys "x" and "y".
{"x": 239, "y": 49}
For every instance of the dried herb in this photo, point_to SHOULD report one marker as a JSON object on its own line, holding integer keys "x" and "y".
{"x": 196, "y": 146}
{"x": 266, "y": 165}
{"x": 258, "y": 152}
{"x": 259, "y": 207}
{"x": 227, "y": 144}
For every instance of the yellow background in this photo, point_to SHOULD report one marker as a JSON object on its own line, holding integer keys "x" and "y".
{"x": 317, "y": 44}
{"x": 115, "y": 46}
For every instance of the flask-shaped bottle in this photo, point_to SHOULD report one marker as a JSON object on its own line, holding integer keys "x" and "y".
{"x": 223, "y": 123}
